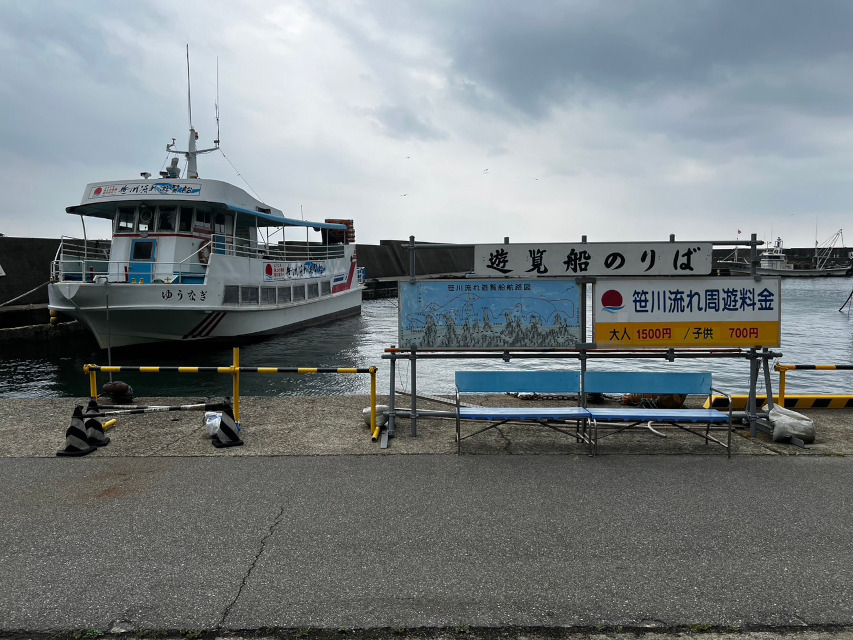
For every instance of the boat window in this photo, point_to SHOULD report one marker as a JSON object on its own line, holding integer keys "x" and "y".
{"x": 219, "y": 223}
{"x": 325, "y": 287}
{"x": 124, "y": 219}
{"x": 146, "y": 219}
{"x": 186, "y": 220}
{"x": 267, "y": 295}
{"x": 248, "y": 295}
{"x": 142, "y": 250}
{"x": 231, "y": 295}
{"x": 166, "y": 218}
{"x": 299, "y": 292}
{"x": 283, "y": 294}
{"x": 313, "y": 290}
{"x": 202, "y": 219}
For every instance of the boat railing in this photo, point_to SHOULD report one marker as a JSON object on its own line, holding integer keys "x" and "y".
{"x": 89, "y": 261}
{"x": 281, "y": 251}
{"x": 301, "y": 251}
{"x": 75, "y": 248}
{"x": 78, "y": 257}
{"x": 124, "y": 272}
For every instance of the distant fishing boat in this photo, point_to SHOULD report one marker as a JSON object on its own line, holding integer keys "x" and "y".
{"x": 194, "y": 259}
{"x": 774, "y": 262}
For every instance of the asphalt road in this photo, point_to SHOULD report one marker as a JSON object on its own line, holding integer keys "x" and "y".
{"x": 437, "y": 541}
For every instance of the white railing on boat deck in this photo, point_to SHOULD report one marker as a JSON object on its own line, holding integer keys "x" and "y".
{"x": 89, "y": 261}
{"x": 287, "y": 251}
{"x": 79, "y": 270}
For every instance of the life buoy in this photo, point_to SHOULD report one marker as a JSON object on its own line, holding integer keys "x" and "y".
{"x": 204, "y": 252}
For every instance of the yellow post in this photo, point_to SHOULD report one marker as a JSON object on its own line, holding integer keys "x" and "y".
{"x": 374, "y": 430}
{"x": 93, "y": 381}
{"x": 782, "y": 369}
{"x": 235, "y": 372}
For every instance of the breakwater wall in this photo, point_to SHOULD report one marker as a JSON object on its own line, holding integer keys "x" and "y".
{"x": 25, "y": 264}
{"x": 388, "y": 262}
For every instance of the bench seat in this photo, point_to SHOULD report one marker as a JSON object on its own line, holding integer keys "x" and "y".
{"x": 644, "y": 414}
{"x": 585, "y": 418}
{"x": 656, "y": 383}
{"x": 500, "y": 382}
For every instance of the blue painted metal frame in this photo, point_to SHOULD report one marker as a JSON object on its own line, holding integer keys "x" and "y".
{"x": 562, "y": 382}
{"x": 647, "y": 382}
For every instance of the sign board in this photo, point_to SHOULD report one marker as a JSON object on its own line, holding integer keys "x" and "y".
{"x": 638, "y": 313}
{"x": 593, "y": 259}
{"x": 489, "y": 314}
{"x": 288, "y": 270}
{"x": 145, "y": 188}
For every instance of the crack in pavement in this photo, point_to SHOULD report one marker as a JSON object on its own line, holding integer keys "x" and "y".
{"x": 276, "y": 522}
{"x": 506, "y": 438}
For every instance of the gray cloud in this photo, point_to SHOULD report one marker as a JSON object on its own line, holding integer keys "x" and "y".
{"x": 635, "y": 117}
{"x": 403, "y": 123}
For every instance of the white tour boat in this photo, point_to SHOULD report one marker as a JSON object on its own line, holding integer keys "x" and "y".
{"x": 194, "y": 259}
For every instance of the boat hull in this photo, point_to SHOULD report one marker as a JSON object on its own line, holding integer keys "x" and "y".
{"x": 124, "y": 315}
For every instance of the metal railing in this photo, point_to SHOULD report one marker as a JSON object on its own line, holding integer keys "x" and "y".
{"x": 78, "y": 270}
{"x": 235, "y": 370}
{"x": 87, "y": 260}
{"x": 783, "y": 369}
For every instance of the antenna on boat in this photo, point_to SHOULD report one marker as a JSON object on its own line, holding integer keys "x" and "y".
{"x": 192, "y": 153}
{"x": 216, "y": 104}
{"x": 189, "y": 92}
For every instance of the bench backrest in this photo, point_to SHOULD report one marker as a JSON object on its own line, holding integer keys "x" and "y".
{"x": 558, "y": 382}
{"x": 647, "y": 382}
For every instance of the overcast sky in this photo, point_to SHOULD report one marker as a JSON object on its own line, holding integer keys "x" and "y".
{"x": 453, "y": 121}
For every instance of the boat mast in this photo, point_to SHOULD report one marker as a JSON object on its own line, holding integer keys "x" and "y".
{"x": 192, "y": 152}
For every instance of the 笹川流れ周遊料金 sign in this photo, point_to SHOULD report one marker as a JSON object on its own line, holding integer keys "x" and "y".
{"x": 637, "y": 313}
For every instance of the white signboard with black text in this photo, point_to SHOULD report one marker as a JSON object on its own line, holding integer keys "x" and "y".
{"x": 593, "y": 259}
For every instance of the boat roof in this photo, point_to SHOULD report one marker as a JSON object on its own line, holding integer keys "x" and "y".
{"x": 100, "y": 200}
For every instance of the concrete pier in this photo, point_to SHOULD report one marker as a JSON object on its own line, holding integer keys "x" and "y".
{"x": 311, "y": 530}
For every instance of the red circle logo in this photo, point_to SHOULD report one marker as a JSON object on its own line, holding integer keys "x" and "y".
{"x": 611, "y": 300}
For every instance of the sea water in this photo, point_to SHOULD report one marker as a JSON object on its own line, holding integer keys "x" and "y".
{"x": 813, "y": 332}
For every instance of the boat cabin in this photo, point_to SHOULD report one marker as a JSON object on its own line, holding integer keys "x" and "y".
{"x": 158, "y": 239}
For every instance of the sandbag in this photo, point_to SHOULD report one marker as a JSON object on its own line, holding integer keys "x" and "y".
{"x": 381, "y": 415}
{"x": 789, "y": 424}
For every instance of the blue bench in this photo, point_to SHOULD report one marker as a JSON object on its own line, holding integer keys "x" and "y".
{"x": 656, "y": 384}
{"x": 499, "y": 382}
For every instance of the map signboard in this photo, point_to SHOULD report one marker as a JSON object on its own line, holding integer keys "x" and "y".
{"x": 467, "y": 314}
{"x": 638, "y": 313}
{"x": 569, "y": 260}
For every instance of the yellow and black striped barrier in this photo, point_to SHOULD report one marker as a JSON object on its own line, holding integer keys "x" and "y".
{"x": 790, "y": 402}
{"x": 793, "y": 401}
{"x": 819, "y": 401}
{"x": 235, "y": 370}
